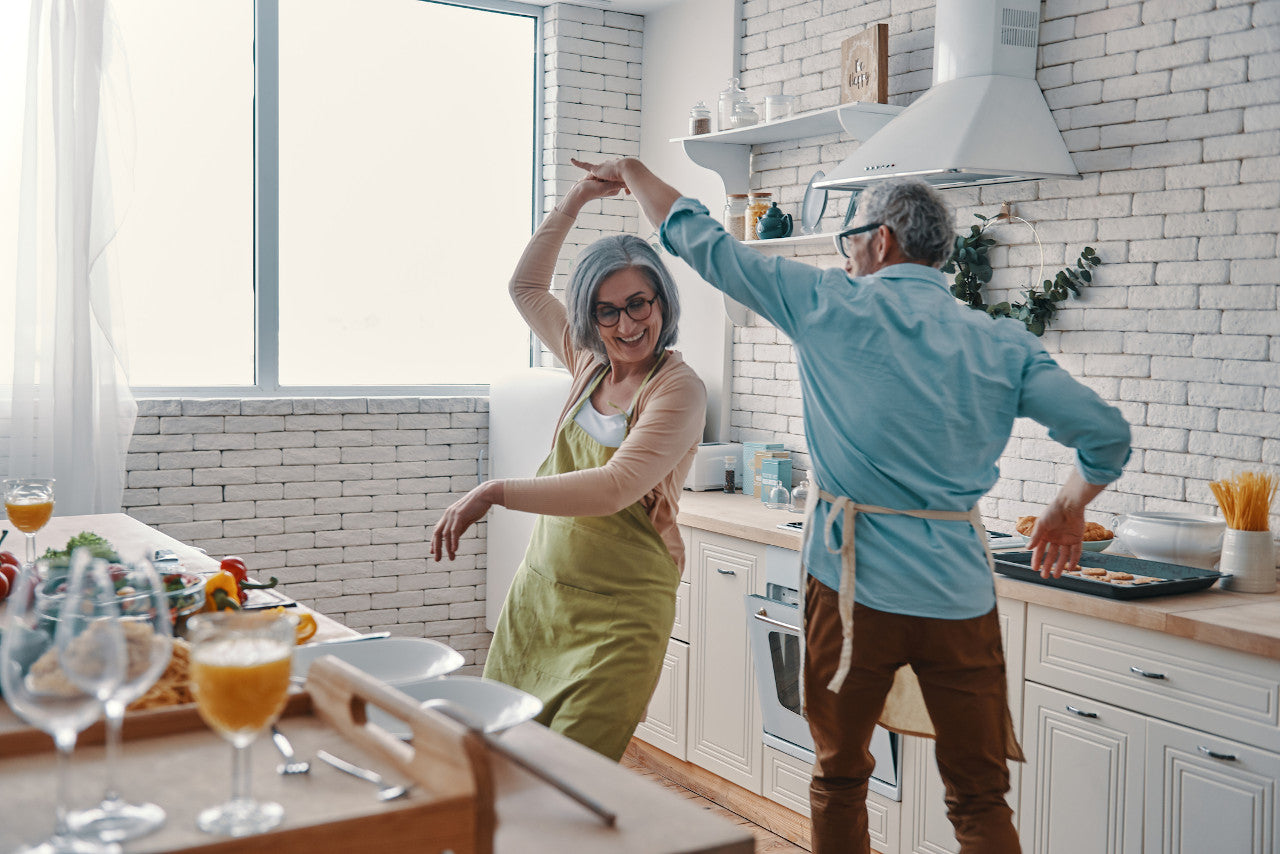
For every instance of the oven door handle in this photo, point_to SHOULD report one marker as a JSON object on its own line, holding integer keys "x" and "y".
{"x": 763, "y": 616}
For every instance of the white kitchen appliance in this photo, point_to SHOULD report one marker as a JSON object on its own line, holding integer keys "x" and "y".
{"x": 984, "y": 120}
{"x": 707, "y": 472}
{"x": 774, "y": 624}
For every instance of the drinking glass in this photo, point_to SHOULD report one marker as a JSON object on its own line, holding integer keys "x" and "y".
{"x": 28, "y": 501}
{"x": 240, "y": 664}
{"x": 41, "y": 693}
{"x": 139, "y": 595}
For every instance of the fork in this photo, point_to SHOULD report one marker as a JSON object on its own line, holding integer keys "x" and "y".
{"x": 386, "y": 791}
{"x": 291, "y": 764}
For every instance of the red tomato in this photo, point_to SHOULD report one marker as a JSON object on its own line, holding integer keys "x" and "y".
{"x": 9, "y": 559}
{"x": 236, "y": 567}
{"x": 4, "y": 587}
{"x": 9, "y": 572}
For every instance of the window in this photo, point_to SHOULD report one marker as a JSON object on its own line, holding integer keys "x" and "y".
{"x": 402, "y": 137}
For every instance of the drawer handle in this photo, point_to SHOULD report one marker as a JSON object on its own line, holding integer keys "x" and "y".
{"x": 1146, "y": 673}
{"x": 726, "y": 571}
{"x": 1081, "y": 712}
{"x": 1213, "y": 754}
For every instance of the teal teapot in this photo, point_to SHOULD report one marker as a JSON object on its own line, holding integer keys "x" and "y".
{"x": 773, "y": 223}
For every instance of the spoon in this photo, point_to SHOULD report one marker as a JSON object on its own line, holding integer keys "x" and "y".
{"x": 386, "y": 791}
{"x": 291, "y": 763}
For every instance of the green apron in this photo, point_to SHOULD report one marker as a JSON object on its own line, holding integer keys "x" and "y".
{"x": 585, "y": 624}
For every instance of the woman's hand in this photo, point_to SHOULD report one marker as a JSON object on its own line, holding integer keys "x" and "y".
{"x": 461, "y": 515}
{"x": 588, "y": 189}
{"x": 609, "y": 171}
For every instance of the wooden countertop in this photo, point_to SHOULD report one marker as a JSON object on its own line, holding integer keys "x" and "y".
{"x": 1246, "y": 622}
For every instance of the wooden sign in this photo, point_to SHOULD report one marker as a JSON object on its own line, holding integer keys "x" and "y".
{"x": 864, "y": 66}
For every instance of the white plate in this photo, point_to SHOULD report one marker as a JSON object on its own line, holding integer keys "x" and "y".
{"x": 494, "y": 705}
{"x": 814, "y": 205}
{"x": 393, "y": 660}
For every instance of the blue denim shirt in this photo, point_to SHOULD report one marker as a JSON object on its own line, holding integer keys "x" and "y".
{"x": 909, "y": 399}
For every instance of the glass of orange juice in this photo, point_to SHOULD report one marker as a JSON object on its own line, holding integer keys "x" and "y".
{"x": 28, "y": 502}
{"x": 240, "y": 664}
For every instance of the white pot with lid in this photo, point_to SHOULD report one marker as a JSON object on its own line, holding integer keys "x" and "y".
{"x": 1182, "y": 538}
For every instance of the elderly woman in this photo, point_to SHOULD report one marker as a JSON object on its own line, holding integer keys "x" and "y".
{"x": 585, "y": 624}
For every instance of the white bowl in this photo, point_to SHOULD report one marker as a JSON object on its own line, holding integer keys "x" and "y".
{"x": 1095, "y": 545}
{"x": 1182, "y": 538}
{"x": 393, "y": 660}
{"x": 494, "y": 706}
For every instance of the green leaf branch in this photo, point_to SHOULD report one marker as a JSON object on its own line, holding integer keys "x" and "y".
{"x": 971, "y": 264}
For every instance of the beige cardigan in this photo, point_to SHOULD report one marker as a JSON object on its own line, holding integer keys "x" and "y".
{"x": 651, "y": 464}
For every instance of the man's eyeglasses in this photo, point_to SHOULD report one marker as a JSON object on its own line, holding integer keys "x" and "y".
{"x": 638, "y": 308}
{"x": 842, "y": 239}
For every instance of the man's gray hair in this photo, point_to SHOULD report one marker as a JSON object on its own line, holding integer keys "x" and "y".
{"x": 601, "y": 260}
{"x": 917, "y": 215}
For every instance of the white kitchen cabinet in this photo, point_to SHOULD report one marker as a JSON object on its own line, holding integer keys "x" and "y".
{"x": 724, "y": 710}
{"x": 926, "y": 828}
{"x": 1205, "y": 793}
{"x": 666, "y": 724}
{"x": 1082, "y": 787}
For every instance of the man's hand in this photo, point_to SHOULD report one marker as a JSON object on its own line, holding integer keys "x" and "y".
{"x": 1056, "y": 539}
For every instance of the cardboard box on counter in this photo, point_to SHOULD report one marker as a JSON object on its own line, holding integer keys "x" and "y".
{"x": 750, "y": 469}
{"x": 774, "y": 471}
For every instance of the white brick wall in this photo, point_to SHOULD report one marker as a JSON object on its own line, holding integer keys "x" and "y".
{"x": 335, "y": 497}
{"x": 1172, "y": 111}
{"x": 592, "y": 112}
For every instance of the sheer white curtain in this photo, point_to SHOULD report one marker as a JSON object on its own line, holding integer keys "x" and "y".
{"x": 72, "y": 412}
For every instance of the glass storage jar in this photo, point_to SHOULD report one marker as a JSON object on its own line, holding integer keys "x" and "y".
{"x": 744, "y": 115}
{"x": 778, "y": 107}
{"x": 757, "y": 205}
{"x": 699, "y": 119}
{"x": 729, "y": 98}
{"x": 735, "y": 209}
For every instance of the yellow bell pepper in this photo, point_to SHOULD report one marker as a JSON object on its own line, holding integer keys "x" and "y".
{"x": 221, "y": 593}
{"x": 306, "y": 628}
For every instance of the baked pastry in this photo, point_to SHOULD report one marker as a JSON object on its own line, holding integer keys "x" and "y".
{"x": 1025, "y": 524}
{"x": 1093, "y": 532}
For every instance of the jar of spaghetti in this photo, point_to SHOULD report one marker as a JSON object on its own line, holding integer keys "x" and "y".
{"x": 757, "y": 205}
{"x": 735, "y": 209}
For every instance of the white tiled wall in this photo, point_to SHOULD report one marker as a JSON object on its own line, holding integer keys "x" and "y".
{"x": 1171, "y": 109}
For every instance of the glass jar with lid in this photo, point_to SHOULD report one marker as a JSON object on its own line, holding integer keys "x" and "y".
{"x": 744, "y": 115}
{"x": 729, "y": 98}
{"x": 757, "y": 205}
{"x": 699, "y": 119}
{"x": 735, "y": 209}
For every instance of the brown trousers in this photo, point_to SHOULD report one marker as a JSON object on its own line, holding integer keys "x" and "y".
{"x": 960, "y": 665}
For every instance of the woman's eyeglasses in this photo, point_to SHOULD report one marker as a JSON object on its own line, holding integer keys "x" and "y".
{"x": 636, "y": 309}
{"x": 842, "y": 239}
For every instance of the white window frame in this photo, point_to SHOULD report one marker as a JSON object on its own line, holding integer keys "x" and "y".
{"x": 266, "y": 215}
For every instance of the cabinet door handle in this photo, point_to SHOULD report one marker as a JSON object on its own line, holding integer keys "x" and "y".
{"x": 1213, "y": 754}
{"x": 1146, "y": 673}
{"x": 726, "y": 571}
{"x": 1081, "y": 712}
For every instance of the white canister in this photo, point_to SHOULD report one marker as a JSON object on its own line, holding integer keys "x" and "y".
{"x": 1248, "y": 561}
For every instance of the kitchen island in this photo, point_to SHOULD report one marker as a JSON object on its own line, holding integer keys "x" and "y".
{"x": 1172, "y": 702}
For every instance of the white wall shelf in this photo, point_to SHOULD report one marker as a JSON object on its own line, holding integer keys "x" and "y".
{"x": 824, "y": 238}
{"x": 728, "y": 152}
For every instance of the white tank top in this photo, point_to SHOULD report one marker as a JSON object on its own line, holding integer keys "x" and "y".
{"x": 608, "y": 430}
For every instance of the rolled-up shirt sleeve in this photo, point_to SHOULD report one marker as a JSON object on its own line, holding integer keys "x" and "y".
{"x": 1077, "y": 417}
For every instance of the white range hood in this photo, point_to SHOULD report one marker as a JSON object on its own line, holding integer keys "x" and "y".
{"x": 984, "y": 120}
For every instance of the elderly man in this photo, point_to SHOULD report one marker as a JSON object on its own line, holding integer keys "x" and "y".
{"x": 909, "y": 398}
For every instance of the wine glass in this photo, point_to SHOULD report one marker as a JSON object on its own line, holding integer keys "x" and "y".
{"x": 40, "y": 692}
{"x": 240, "y": 665}
{"x": 139, "y": 594}
{"x": 28, "y": 501}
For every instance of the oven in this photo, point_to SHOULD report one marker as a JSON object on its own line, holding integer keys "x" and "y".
{"x": 774, "y": 625}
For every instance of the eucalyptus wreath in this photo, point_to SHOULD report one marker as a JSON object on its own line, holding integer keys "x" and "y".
{"x": 971, "y": 264}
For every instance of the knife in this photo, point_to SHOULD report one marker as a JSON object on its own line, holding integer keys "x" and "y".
{"x": 351, "y": 639}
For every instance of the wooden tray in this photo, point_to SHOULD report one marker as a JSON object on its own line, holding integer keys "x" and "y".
{"x": 171, "y": 758}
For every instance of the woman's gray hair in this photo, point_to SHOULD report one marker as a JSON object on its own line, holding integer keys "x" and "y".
{"x": 919, "y": 218}
{"x": 601, "y": 260}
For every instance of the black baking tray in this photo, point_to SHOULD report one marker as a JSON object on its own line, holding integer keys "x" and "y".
{"x": 1173, "y": 577}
